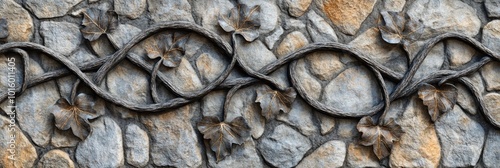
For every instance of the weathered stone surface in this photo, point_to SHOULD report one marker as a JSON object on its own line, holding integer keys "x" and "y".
{"x": 49, "y": 9}
{"x": 210, "y": 66}
{"x": 491, "y": 35}
{"x": 212, "y": 104}
{"x": 492, "y": 7}
{"x": 371, "y": 43}
{"x": 80, "y": 56}
{"x": 325, "y": 64}
{"x": 491, "y": 154}
{"x": 136, "y": 146}
{"x": 160, "y": 10}
{"x": 184, "y": 76}
{"x": 326, "y": 123}
{"x": 129, "y": 82}
{"x": 62, "y": 37}
{"x": 297, "y": 8}
{"x": 55, "y": 158}
{"x": 355, "y": 90}
{"x": 32, "y": 108}
{"x": 346, "y": 128}
{"x": 330, "y": 154}
{"x": 466, "y": 100}
{"x": 419, "y": 145}
{"x": 285, "y": 147}
{"x": 19, "y": 21}
{"x": 242, "y": 156}
{"x": 432, "y": 62}
{"x": 173, "y": 139}
{"x": 294, "y": 24}
{"x": 269, "y": 14}
{"x": 243, "y": 104}
{"x": 461, "y": 139}
{"x": 361, "y": 156}
{"x": 394, "y": 5}
{"x": 62, "y": 139}
{"x": 274, "y": 37}
{"x": 24, "y": 152}
{"x": 445, "y": 16}
{"x": 491, "y": 75}
{"x": 319, "y": 29}
{"x": 102, "y": 46}
{"x": 254, "y": 54}
{"x": 123, "y": 34}
{"x": 492, "y": 101}
{"x": 292, "y": 42}
{"x": 300, "y": 116}
{"x": 307, "y": 81}
{"x": 347, "y": 15}
{"x": 103, "y": 147}
{"x": 206, "y": 13}
{"x": 132, "y": 9}
{"x": 460, "y": 53}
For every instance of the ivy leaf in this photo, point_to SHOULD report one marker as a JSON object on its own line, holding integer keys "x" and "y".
{"x": 438, "y": 100}
{"x": 75, "y": 116}
{"x": 98, "y": 22}
{"x": 272, "y": 101}
{"x": 398, "y": 29}
{"x": 223, "y": 135}
{"x": 4, "y": 30}
{"x": 242, "y": 20}
{"x": 169, "y": 48}
{"x": 380, "y": 138}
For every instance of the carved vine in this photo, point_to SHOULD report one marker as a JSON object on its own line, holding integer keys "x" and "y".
{"x": 377, "y": 131}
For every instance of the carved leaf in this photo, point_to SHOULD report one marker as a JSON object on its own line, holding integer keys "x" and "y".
{"x": 396, "y": 29}
{"x": 75, "y": 116}
{"x": 222, "y": 134}
{"x": 380, "y": 137}
{"x": 98, "y": 22}
{"x": 438, "y": 100}
{"x": 272, "y": 101}
{"x": 4, "y": 30}
{"x": 168, "y": 47}
{"x": 242, "y": 20}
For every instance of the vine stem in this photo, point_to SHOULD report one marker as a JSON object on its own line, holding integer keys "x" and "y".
{"x": 73, "y": 92}
{"x": 154, "y": 73}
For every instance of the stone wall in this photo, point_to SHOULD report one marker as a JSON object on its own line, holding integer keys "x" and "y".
{"x": 250, "y": 83}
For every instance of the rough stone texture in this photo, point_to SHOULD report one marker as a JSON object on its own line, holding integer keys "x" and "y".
{"x": 210, "y": 67}
{"x": 330, "y": 154}
{"x": 49, "y": 9}
{"x": 460, "y": 53}
{"x": 326, "y": 123}
{"x": 179, "y": 10}
{"x": 371, "y": 43}
{"x": 56, "y": 158}
{"x": 466, "y": 100}
{"x": 254, "y": 54}
{"x": 269, "y": 14}
{"x": 325, "y": 65}
{"x": 319, "y": 29}
{"x": 461, "y": 139}
{"x": 491, "y": 154}
{"x": 130, "y": 8}
{"x": 492, "y": 7}
{"x": 64, "y": 139}
{"x": 208, "y": 13}
{"x": 285, "y": 147}
{"x": 173, "y": 139}
{"x": 432, "y": 63}
{"x": 490, "y": 74}
{"x": 419, "y": 145}
{"x": 25, "y": 153}
{"x": 18, "y": 19}
{"x": 445, "y": 16}
{"x": 243, "y": 104}
{"x": 491, "y": 35}
{"x": 294, "y": 24}
{"x": 347, "y": 15}
{"x": 184, "y": 76}
{"x": 301, "y": 117}
{"x": 103, "y": 147}
{"x": 394, "y": 5}
{"x": 353, "y": 90}
{"x": 81, "y": 55}
{"x": 62, "y": 37}
{"x": 242, "y": 156}
{"x": 292, "y": 42}
{"x": 213, "y": 104}
{"x": 307, "y": 81}
{"x": 361, "y": 156}
{"x": 136, "y": 146}
{"x": 123, "y": 34}
{"x": 129, "y": 82}
{"x": 492, "y": 101}
{"x": 346, "y": 128}
{"x": 297, "y": 8}
{"x": 274, "y": 37}
{"x": 102, "y": 46}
